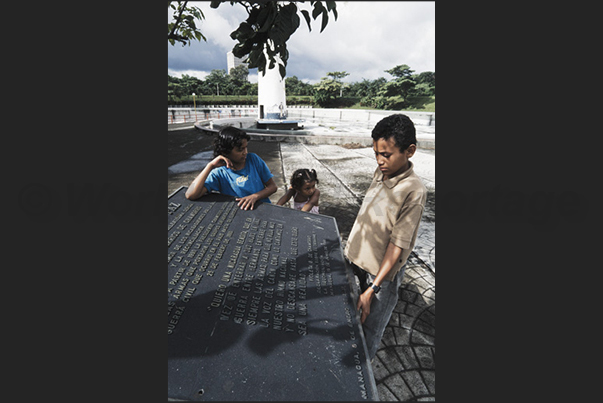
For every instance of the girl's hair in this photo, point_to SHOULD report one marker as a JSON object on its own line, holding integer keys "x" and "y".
{"x": 228, "y": 138}
{"x": 301, "y": 176}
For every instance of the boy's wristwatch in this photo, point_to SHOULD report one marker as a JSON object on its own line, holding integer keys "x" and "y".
{"x": 375, "y": 288}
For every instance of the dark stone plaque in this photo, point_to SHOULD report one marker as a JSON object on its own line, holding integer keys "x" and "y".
{"x": 261, "y": 306}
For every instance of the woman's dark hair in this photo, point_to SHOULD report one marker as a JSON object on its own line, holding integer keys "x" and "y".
{"x": 399, "y": 126}
{"x": 228, "y": 138}
{"x": 301, "y": 176}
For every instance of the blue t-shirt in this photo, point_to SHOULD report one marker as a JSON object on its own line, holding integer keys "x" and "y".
{"x": 244, "y": 182}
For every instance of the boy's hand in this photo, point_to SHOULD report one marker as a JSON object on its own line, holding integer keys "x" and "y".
{"x": 247, "y": 202}
{"x": 364, "y": 303}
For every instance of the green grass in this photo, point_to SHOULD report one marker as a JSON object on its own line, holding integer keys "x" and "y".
{"x": 425, "y": 104}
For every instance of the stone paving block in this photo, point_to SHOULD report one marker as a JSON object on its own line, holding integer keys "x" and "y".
{"x": 388, "y": 338}
{"x": 413, "y": 310}
{"x": 406, "y": 321}
{"x": 421, "y": 284}
{"x": 420, "y": 338}
{"x": 380, "y": 371}
{"x": 390, "y": 359}
{"x": 402, "y": 336}
{"x": 415, "y": 382}
{"x": 428, "y": 316}
{"x": 423, "y": 301}
{"x": 431, "y": 293}
{"x": 425, "y": 357}
{"x": 408, "y": 296}
{"x": 432, "y": 258}
{"x": 385, "y": 395}
{"x": 400, "y": 305}
{"x": 423, "y": 326}
{"x": 429, "y": 296}
{"x": 396, "y": 384}
{"x": 394, "y": 320}
{"x": 429, "y": 279}
{"x": 407, "y": 357}
{"x": 429, "y": 377}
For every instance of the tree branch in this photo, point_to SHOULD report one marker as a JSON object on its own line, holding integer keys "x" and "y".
{"x": 177, "y": 22}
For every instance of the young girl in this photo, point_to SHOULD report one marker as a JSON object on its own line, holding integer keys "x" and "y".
{"x": 303, "y": 190}
{"x": 234, "y": 171}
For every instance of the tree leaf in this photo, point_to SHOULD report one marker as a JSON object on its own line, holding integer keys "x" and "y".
{"x": 284, "y": 24}
{"x": 307, "y": 17}
{"x": 331, "y": 6}
{"x": 261, "y": 63}
{"x": 267, "y": 16}
{"x": 294, "y": 20}
{"x": 243, "y": 32}
{"x": 254, "y": 56}
{"x": 325, "y": 20}
{"x": 317, "y": 10}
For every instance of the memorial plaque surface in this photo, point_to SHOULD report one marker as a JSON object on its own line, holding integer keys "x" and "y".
{"x": 260, "y": 306}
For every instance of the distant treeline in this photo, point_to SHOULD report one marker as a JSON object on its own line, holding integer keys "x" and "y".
{"x": 405, "y": 90}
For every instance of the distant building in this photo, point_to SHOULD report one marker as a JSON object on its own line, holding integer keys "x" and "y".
{"x": 233, "y": 61}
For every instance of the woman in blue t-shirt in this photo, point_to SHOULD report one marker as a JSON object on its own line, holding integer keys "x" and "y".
{"x": 234, "y": 172}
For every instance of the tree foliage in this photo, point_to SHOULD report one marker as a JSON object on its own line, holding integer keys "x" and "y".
{"x": 294, "y": 86}
{"x": 379, "y": 93}
{"x": 184, "y": 29}
{"x": 263, "y": 36}
{"x": 337, "y": 76}
{"x": 216, "y": 81}
{"x": 325, "y": 92}
{"x": 394, "y": 94}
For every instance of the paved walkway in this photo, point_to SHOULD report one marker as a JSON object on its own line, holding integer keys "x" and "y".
{"x": 404, "y": 367}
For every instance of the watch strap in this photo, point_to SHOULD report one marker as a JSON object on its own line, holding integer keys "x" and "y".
{"x": 375, "y": 288}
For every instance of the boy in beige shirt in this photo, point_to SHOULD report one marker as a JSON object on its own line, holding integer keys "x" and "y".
{"x": 385, "y": 229}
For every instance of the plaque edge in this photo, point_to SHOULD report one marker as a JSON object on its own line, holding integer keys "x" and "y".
{"x": 177, "y": 190}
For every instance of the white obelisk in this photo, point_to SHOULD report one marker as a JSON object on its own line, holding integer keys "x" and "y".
{"x": 272, "y": 102}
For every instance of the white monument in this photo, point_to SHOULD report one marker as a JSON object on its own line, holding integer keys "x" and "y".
{"x": 272, "y": 101}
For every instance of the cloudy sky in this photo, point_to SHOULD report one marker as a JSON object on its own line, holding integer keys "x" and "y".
{"x": 368, "y": 38}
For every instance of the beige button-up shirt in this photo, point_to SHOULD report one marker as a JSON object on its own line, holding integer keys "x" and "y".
{"x": 391, "y": 212}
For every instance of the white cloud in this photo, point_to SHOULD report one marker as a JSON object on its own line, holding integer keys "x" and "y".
{"x": 220, "y": 22}
{"x": 194, "y": 73}
{"x": 370, "y": 37}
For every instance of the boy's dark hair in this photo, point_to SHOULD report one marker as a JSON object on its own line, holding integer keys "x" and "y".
{"x": 228, "y": 138}
{"x": 399, "y": 126}
{"x": 301, "y": 176}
